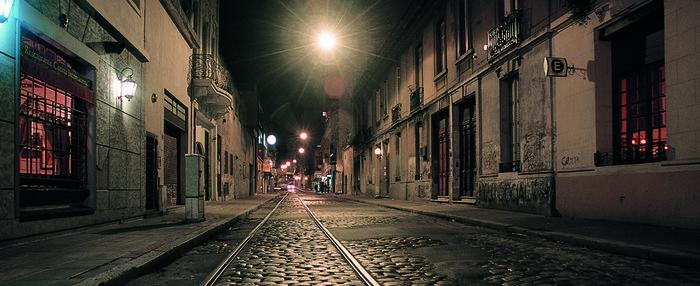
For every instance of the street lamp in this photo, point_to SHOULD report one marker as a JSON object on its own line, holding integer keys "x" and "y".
{"x": 303, "y": 135}
{"x": 5, "y": 10}
{"x": 128, "y": 85}
{"x": 271, "y": 139}
{"x": 301, "y": 150}
{"x": 326, "y": 41}
{"x": 378, "y": 152}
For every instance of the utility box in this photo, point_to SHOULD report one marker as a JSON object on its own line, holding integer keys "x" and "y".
{"x": 194, "y": 187}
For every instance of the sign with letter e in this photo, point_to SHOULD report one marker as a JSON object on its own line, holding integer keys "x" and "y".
{"x": 555, "y": 66}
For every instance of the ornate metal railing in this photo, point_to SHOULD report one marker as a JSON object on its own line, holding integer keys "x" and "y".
{"x": 504, "y": 36}
{"x": 396, "y": 113}
{"x": 416, "y": 99}
{"x": 204, "y": 66}
{"x": 631, "y": 155}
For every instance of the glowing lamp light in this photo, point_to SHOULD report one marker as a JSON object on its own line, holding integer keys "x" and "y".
{"x": 294, "y": 161}
{"x": 326, "y": 41}
{"x": 486, "y": 47}
{"x": 271, "y": 139}
{"x": 301, "y": 150}
{"x": 5, "y": 10}
{"x": 303, "y": 135}
{"x": 378, "y": 152}
{"x": 128, "y": 86}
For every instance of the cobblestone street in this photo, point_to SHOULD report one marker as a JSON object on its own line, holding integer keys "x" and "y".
{"x": 401, "y": 248}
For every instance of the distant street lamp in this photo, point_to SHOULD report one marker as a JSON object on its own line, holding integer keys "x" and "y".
{"x": 301, "y": 150}
{"x": 271, "y": 139}
{"x": 303, "y": 135}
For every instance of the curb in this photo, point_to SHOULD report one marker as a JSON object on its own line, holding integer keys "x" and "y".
{"x": 163, "y": 255}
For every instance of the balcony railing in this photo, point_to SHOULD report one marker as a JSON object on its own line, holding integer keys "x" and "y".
{"x": 631, "y": 155}
{"x": 396, "y": 113}
{"x": 416, "y": 99}
{"x": 204, "y": 66}
{"x": 506, "y": 167}
{"x": 504, "y": 36}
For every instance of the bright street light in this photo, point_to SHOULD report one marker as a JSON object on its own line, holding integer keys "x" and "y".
{"x": 326, "y": 41}
{"x": 301, "y": 150}
{"x": 303, "y": 135}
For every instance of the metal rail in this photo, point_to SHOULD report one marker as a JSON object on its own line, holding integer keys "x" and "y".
{"x": 214, "y": 275}
{"x": 361, "y": 271}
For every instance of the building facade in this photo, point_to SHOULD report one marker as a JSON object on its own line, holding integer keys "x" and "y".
{"x": 79, "y": 151}
{"x": 539, "y": 106}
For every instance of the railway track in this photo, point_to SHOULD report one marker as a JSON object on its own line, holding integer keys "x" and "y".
{"x": 287, "y": 239}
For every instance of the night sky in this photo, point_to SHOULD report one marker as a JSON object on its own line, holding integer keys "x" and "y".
{"x": 273, "y": 44}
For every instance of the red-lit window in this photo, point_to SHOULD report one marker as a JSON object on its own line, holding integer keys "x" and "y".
{"x": 641, "y": 115}
{"x": 50, "y": 129}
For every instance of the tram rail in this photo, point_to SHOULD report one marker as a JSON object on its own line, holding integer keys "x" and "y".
{"x": 361, "y": 272}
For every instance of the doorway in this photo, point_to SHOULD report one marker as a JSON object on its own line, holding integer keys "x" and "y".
{"x": 467, "y": 168}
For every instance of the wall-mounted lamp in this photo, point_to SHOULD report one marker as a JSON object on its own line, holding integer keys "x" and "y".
{"x": 5, "y": 10}
{"x": 378, "y": 152}
{"x": 128, "y": 85}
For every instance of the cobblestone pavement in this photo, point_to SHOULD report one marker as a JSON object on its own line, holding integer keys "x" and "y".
{"x": 400, "y": 248}
{"x": 524, "y": 260}
{"x": 289, "y": 250}
{"x": 509, "y": 259}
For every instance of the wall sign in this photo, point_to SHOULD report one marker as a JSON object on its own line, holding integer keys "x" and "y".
{"x": 555, "y": 67}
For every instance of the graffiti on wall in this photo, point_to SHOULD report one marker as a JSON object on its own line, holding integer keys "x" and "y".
{"x": 490, "y": 158}
{"x": 532, "y": 196}
{"x": 536, "y": 152}
{"x": 568, "y": 161}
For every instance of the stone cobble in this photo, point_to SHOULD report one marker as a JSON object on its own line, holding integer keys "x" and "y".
{"x": 525, "y": 260}
{"x": 289, "y": 252}
{"x": 390, "y": 266}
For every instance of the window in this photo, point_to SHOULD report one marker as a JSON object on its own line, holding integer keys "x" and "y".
{"x": 510, "y": 125}
{"x": 508, "y": 7}
{"x": 639, "y": 88}
{"x": 641, "y": 115}
{"x": 175, "y": 107}
{"x": 384, "y": 93}
{"x": 54, "y": 102}
{"x": 420, "y": 152}
{"x": 397, "y": 157}
{"x": 418, "y": 60}
{"x": 225, "y": 162}
{"x": 52, "y": 129}
{"x": 378, "y": 106}
{"x": 397, "y": 77}
{"x": 462, "y": 33}
{"x": 440, "y": 47}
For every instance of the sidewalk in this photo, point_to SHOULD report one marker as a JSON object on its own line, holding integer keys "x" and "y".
{"x": 668, "y": 245}
{"x": 112, "y": 254}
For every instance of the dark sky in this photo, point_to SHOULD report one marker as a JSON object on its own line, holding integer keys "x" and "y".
{"x": 272, "y": 43}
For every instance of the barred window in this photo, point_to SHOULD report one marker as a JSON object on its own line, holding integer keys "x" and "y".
{"x": 52, "y": 130}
